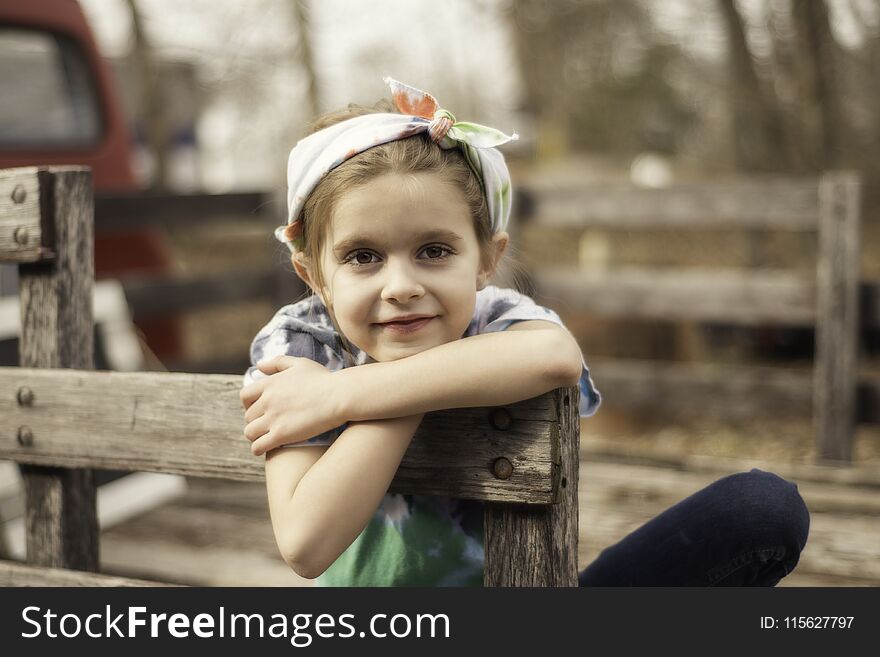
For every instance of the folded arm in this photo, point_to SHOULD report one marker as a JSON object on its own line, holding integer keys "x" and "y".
{"x": 491, "y": 369}
{"x": 321, "y": 498}
{"x": 300, "y": 398}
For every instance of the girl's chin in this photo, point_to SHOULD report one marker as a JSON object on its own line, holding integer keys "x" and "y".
{"x": 396, "y": 353}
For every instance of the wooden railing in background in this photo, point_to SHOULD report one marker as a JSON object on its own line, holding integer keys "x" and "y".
{"x": 831, "y": 300}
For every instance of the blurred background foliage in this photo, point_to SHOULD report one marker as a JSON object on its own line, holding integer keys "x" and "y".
{"x": 791, "y": 89}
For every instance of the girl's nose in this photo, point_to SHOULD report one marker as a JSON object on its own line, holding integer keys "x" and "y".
{"x": 401, "y": 283}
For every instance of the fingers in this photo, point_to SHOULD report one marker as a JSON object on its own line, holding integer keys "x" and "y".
{"x": 251, "y": 392}
{"x": 262, "y": 444}
{"x": 254, "y": 411}
{"x": 257, "y": 428}
{"x": 276, "y": 364}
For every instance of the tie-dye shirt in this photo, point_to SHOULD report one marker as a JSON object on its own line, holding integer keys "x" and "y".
{"x": 411, "y": 540}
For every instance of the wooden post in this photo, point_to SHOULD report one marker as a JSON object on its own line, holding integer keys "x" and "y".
{"x": 55, "y": 294}
{"x": 527, "y": 545}
{"x": 837, "y": 322}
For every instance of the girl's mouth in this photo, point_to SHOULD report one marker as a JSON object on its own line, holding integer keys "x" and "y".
{"x": 407, "y": 327}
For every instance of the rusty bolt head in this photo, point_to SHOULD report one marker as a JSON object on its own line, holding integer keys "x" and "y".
{"x": 500, "y": 419}
{"x": 21, "y": 236}
{"x": 25, "y": 437}
{"x": 19, "y": 194}
{"x": 502, "y": 468}
{"x": 25, "y": 396}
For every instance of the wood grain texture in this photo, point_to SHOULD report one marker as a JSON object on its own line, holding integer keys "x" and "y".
{"x": 765, "y": 203}
{"x": 193, "y": 424}
{"x": 57, "y": 331}
{"x": 130, "y": 211}
{"x": 837, "y": 315}
{"x": 700, "y": 389}
{"x": 153, "y": 296}
{"x": 18, "y": 574}
{"x": 26, "y": 233}
{"x": 538, "y": 546}
{"x": 736, "y": 297}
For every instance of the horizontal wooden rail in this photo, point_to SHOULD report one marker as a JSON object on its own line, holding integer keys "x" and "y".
{"x": 734, "y": 296}
{"x": 19, "y": 574}
{"x": 192, "y": 424}
{"x": 746, "y": 297}
{"x": 127, "y": 211}
{"x": 160, "y": 296}
{"x": 768, "y": 204}
{"x": 722, "y": 391}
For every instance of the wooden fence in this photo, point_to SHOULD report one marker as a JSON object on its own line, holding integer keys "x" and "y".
{"x": 61, "y": 419}
{"x": 831, "y": 300}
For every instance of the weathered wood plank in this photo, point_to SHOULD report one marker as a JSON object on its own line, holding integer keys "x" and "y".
{"x": 736, "y": 297}
{"x": 128, "y": 211}
{"x": 771, "y": 204}
{"x": 729, "y": 392}
{"x": 538, "y": 546}
{"x": 162, "y": 296}
{"x": 61, "y": 522}
{"x": 860, "y": 481}
{"x": 681, "y": 389}
{"x": 26, "y": 235}
{"x": 18, "y": 574}
{"x": 193, "y": 424}
{"x": 834, "y": 410}
{"x": 164, "y": 558}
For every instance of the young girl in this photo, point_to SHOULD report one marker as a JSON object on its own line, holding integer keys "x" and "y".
{"x": 397, "y": 222}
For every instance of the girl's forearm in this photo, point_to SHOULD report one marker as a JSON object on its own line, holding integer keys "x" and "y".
{"x": 490, "y": 369}
{"x": 336, "y": 498}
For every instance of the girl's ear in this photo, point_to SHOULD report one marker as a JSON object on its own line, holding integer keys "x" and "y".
{"x": 303, "y": 270}
{"x": 499, "y": 243}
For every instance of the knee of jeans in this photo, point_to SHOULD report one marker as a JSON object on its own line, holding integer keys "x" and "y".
{"x": 776, "y": 502}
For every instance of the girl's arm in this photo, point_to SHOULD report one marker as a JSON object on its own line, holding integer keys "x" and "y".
{"x": 491, "y": 369}
{"x": 321, "y": 498}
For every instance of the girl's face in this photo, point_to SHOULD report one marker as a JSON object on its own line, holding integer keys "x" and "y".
{"x": 403, "y": 245}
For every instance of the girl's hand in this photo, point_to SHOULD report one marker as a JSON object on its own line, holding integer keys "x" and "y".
{"x": 297, "y": 401}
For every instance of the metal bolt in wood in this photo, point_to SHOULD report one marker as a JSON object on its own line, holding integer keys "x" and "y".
{"x": 19, "y": 194}
{"x": 502, "y": 468}
{"x": 25, "y": 396}
{"x": 21, "y": 236}
{"x": 25, "y": 437}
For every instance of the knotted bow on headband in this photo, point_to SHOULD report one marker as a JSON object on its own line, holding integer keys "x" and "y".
{"x": 316, "y": 155}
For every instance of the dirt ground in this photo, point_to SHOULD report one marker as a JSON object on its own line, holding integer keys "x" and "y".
{"x": 783, "y": 440}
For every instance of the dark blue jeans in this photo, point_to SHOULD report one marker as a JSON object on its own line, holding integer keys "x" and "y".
{"x": 746, "y": 529}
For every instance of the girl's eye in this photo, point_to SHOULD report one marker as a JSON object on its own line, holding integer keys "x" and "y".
{"x": 360, "y": 258}
{"x": 438, "y": 252}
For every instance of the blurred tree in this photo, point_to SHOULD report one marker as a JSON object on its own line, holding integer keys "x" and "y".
{"x": 304, "y": 55}
{"x": 601, "y": 75}
{"x": 597, "y": 78}
{"x": 150, "y": 111}
{"x": 819, "y": 89}
{"x": 759, "y": 137}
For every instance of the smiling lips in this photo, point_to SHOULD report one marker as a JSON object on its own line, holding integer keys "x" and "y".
{"x": 406, "y": 326}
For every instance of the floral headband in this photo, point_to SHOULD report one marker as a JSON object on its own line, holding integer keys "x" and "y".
{"x": 316, "y": 155}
